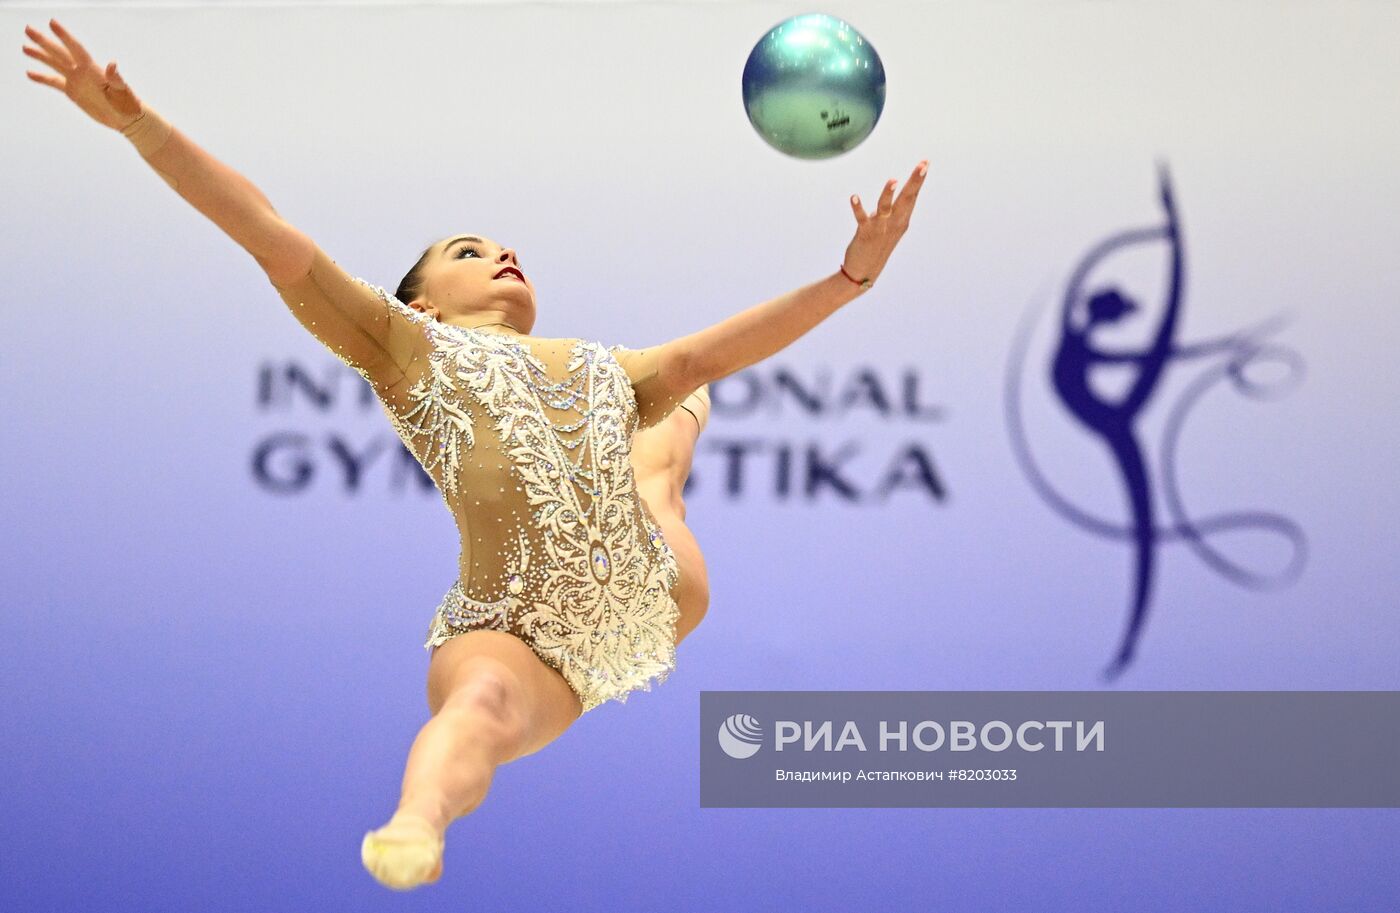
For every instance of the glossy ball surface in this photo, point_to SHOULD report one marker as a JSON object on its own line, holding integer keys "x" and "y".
{"x": 813, "y": 87}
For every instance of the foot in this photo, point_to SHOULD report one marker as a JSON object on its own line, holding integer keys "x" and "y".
{"x": 404, "y": 853}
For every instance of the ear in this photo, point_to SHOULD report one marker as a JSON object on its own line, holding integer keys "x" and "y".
{"x": 421, "y": 305}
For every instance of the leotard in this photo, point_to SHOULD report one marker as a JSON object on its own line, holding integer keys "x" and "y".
{"x": 528, "y": 441}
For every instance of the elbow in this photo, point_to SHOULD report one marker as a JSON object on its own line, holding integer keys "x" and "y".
{"x": 284, "y": 253}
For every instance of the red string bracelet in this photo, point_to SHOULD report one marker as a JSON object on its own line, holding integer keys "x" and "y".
{"x": 863, "y": 283}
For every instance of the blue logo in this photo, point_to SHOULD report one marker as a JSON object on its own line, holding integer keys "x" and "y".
{"x": 1155, "y": 507}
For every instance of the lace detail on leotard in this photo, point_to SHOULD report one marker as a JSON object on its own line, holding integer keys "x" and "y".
{"x": 565, "y": 553}
{"x": 557, "y": 545}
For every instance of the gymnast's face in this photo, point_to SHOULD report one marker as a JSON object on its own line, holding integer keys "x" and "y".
{"x": 460, "y": 285}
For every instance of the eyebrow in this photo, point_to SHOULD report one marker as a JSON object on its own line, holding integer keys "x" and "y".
{"x": 448, "y": 246}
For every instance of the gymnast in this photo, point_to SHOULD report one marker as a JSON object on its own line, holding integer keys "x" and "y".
{"x": 561, "y": 460}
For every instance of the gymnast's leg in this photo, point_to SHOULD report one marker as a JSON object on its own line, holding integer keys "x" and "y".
{"x": 493, "y": 700}
{"x": 661, "y": 459}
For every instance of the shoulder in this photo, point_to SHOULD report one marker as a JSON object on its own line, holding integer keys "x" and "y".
{"x": 638, "y": 363}
{"x": 625, "y": 358}
{"x": 392, "y": 302}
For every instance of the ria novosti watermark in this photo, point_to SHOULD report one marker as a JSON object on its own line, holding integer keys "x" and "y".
{"x": 1139, "y": 749}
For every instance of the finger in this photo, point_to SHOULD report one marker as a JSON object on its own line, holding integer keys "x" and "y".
{"x": 80, "y": 54}
{"x": 114, "y": 77}
{"x": 118, "y": 93}
{"x": 886, "y": 198}
{"x": 46, "y": 79}
{"x": 114, "y": 83}
{"x": 37, "y": 54}
{"x": 861, "y": 217}
{"x": 54, "y": 50}
{"x": 910, "y": 193}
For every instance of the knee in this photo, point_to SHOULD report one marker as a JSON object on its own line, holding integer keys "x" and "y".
{"x": 488, "y": 688}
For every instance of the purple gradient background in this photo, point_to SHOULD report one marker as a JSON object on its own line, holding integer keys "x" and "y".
{"x": 209, "y": 690}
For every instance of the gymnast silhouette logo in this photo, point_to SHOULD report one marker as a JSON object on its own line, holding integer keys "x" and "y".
{"x": 740, "y": 736}
{"x": 1087, "y": 306}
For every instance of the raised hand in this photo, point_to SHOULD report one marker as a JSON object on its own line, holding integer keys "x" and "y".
{"x": 879, "y": 232}
{"x": 101, "y": 93}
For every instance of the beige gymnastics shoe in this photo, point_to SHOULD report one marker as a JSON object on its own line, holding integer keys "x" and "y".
{"x": 698, "y": 405}
{"x": 404, "y": 853}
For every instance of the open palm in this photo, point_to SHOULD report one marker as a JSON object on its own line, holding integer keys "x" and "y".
{"x": 877, "y": 233}
{"x": 101, "y": 93}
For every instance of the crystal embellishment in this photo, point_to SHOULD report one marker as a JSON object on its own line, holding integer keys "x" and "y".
{"x": 558, "y": 547}
{"x": 601, "y": 566}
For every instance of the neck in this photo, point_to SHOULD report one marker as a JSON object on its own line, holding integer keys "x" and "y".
{"x": 504, "y": 329}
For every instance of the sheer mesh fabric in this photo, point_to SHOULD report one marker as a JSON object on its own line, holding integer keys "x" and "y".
{"x": 528, "y": 441}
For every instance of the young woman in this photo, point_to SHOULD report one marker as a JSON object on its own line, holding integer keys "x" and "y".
{"x": 561, "y": 460}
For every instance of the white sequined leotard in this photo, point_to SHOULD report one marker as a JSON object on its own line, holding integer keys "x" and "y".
{"x": 528, "y": 441}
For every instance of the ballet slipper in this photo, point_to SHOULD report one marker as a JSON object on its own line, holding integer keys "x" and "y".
{"x": 698, "y": 405}
{"x": 404, "y": 853}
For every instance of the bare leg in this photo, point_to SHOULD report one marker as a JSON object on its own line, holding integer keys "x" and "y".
{"x": 661, "y": 460}
{"x": 493, "y": 700}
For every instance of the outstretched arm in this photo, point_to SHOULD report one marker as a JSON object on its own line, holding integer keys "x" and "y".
{"x": 366, "y": 329}
{"x": 764, "y": 329}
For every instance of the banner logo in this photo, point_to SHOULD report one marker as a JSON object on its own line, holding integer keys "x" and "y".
{"x": 1156, "y": 508}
